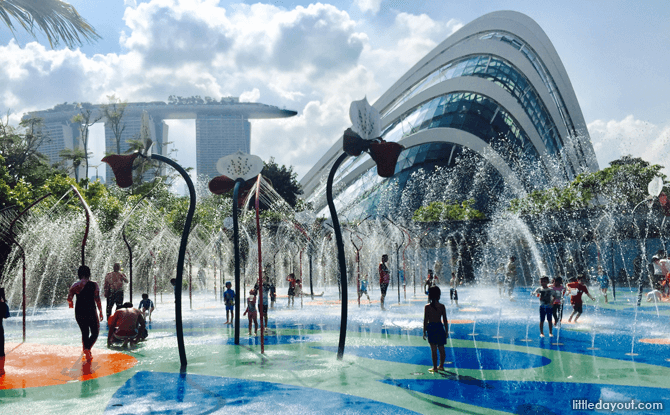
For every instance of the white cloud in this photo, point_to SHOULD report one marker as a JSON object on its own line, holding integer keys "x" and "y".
{"x": 612, "y": 139}
{"x": 368, "y": 5}
{"x": 313, "y": 59}
{"x": 250, "y": 96}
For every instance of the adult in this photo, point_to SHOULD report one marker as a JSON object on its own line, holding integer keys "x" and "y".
{"x": 88, "y": 297}
{"x": 126, "y": 325}
{"x": 384, "y": 278}
{"x": 438, "y": 272}
{"x": 113, "y": 288}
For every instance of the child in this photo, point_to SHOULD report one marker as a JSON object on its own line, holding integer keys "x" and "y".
{"x": 229, "y": 300}
{"x": 273, "y": 293}
{"x": 291, "y": 289}
{"x": 146, "y": 306}
{"x": 364, "y": 288}
{"x": 557, "y": 306}
{"x": 453, "y": 293}
{"x": 429, "y": 281}
{"x": 547, "y": 296}
{"x": 4, "y": 313}
{"x": 435, "y": 326}
{"x": 604, "y": 281}
{"x": 576, "y": 299}
{"x": 251, "y": 310}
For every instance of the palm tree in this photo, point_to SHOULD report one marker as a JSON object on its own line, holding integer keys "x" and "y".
{"x": 58, "y": 20}
{"x": 76, "y": 156}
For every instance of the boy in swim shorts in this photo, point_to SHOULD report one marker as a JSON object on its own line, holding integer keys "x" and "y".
{"x": 435, "y": 326}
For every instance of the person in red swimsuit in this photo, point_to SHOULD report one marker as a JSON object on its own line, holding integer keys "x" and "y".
{"x": 576, "y": 299}
{"x": 384, "y": 278}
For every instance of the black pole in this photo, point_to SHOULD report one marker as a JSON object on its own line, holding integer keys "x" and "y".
{"x": 340, "y": 254}
{"x": 130, "y": 256}
{"x": 236, "y": 244}
{"x": 182, "y": 254}
{"x": 397, "y": 264}
{"x": 311, "y": 288}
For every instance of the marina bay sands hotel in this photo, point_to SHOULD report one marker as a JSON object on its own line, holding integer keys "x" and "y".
{"x": 221, "y": 127}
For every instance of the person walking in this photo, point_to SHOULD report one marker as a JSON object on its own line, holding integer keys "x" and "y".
{"x": 113, "y": 288}
{"x": 88, "y": 297}
{"x": 384, "y": 278}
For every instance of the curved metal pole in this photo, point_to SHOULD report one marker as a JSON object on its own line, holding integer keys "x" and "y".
{"x": 260, "y": 261}
{"x": 130, "y": 258}
{"x": 182, "y": 254}
{"x": 23, "y": 258}
{"x": 340, "y": 254}
{"x": 236, "y": 244}
{"x": 88, "y": 222}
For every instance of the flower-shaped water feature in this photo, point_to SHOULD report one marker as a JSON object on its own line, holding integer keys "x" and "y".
{"x": 363, "y": 136}
{"x": 238, "y": 173}
{"x": 122, "y": 166}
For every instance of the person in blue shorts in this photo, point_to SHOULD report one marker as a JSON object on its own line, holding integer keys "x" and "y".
{"x": 435, "y": 326}
{"x": 229, "y": 300}
{"x": 364, "y": 288}
{"x": 547, "y": 296}
{"x": 146, "y": 306}
{"x": 604, "y": 281}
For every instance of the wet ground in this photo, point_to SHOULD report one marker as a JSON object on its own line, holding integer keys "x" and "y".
{"x": 496, "y": 360}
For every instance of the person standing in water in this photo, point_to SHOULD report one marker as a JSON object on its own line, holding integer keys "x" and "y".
{"x": 435, "y": 326}
{"x": 4, "y": 313}
{"x": 453, "y": 291}
{"x": 88, "y": 296}
{"x": 384, "y": 278}
{"x": 113, "y": 288}
{"x": 510, "y": 275}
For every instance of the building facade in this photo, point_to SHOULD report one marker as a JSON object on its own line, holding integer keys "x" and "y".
{"x": 222, "y": 127}
{"x": 489, "y": 114}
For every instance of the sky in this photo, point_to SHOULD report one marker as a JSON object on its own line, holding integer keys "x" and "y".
{"x": 315, "y": 58}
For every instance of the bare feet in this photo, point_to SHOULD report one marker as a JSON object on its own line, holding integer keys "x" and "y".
{"x": 440, "y": 368}
{"x": 433, "y": 370}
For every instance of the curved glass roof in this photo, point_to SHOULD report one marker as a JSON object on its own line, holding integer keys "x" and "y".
{"x": 482, "y": 117}
{"x": 508, "y": 77}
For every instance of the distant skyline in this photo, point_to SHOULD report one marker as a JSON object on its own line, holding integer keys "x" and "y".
{"x": 317, "y": 58}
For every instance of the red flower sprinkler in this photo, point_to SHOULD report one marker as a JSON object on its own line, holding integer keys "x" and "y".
{"x": 364, "y": 136}
{"x": 123, "y": 166}
{"x": 239, "y": 172}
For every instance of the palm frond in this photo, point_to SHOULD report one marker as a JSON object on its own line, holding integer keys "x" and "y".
{"x": 59, "y": 21}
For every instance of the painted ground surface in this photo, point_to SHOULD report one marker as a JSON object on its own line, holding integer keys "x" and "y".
{"x": 496, "y": 361}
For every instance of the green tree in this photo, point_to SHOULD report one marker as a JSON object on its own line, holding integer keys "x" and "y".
{"x": 284, "y": 181}
{"x": 56, "y": 19}
{"x": 19, "y": 148}
{"x": 624, "y": 182}
{"x": 87, "y": 116}
{"x": 75, "y": 156}
{"x": 445, "y": 211}
{"x": 113, "y": 111}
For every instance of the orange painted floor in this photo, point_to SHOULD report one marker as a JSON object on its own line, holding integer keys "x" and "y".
{"x": 30, "y": 365}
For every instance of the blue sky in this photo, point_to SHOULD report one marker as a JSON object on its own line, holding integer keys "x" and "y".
{"x": 315, "y": 58}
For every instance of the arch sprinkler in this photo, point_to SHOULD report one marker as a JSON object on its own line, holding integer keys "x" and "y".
{"x": 239, "y": 172}
{"x": 23, "y": 258}
{"x": 364, "y": 136}
{"x": 122, "y": 166}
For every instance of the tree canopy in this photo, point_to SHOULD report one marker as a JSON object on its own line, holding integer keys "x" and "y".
{"x": 624, "y": 182}
{"x": 445, "y": 211}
